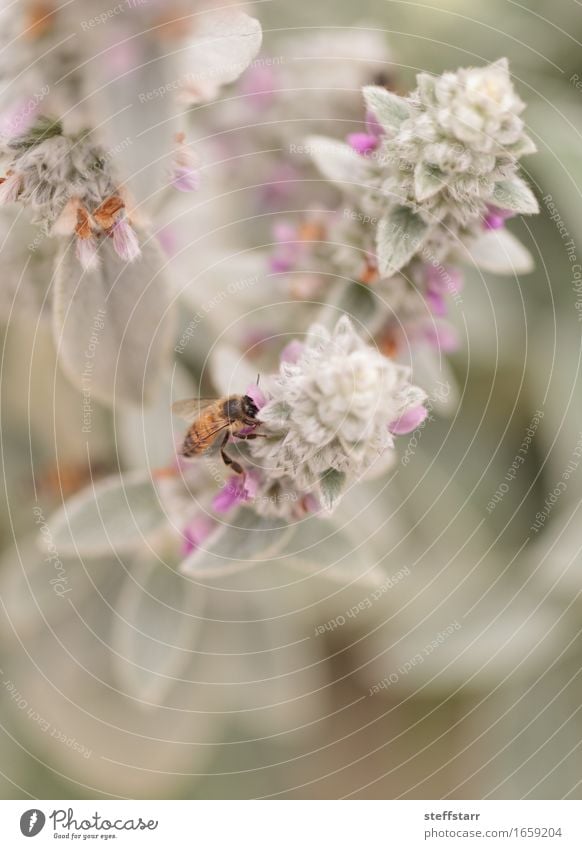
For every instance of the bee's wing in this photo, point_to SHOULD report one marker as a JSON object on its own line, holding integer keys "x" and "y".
{"x": 191, "y": 408}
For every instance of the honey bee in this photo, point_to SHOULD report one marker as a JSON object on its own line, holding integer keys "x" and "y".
{"x": 214, "y": 421}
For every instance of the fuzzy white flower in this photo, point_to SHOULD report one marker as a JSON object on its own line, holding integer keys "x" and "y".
{"x": 438, "y": 168}
{"x": 330, "y": 411}
{"x": 68, "y": 184}
{"x": 461, "y": 134}
{"x": 477, "y": 106}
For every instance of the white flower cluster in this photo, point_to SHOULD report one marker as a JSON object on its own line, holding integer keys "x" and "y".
{"x": 329, "y": 413}
{"x": 460, "y": 136}
{"x": 437, "y": 169}
{"x": 68, "y": 185}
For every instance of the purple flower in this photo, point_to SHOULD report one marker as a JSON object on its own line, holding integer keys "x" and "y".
{"x": 258, "y": 84}
{"x": 279, "y": 263}
{"x": 439, "y": 281}
{"x": 167, "y": 239}
{"x": 441, "y": 335}
{"x": 496, "y": 218}
{"x": 283, "y": 231}
{"x": 186, "y": 179}
{"x": 195, "y": 533}
{"x": 288, "y": 250}
{"x": 363, "y": 143}
{"x": 443, "y": 279}
{"x": 237, "y": 489}
{"x": 408, "y": 421}
{"x": 125, "y": 241}
{"x": 436, "y": 302}
{"x": 231, "y": 494}
{"x": 257, "y": 395}
{"x": 251, "y": 483}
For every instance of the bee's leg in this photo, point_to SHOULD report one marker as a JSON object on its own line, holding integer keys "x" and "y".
{"x": 249, "y": 435}
{"x": 228, "y": 461}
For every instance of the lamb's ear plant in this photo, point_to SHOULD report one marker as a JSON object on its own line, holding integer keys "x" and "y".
{"x": 429, "y": 185}
{"x": 91, "y": 149}
{"x": 427, "y": 188}
{"x": 357, "y": 290}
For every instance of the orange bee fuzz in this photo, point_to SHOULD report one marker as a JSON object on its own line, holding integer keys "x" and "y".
{"x": 213, "y": 421}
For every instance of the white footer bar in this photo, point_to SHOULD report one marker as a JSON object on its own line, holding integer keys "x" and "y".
{"x": 293, "y": 824}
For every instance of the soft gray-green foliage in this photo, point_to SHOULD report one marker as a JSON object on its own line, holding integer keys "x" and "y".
{"x": 113, "y": 324}
{"x": 400, "y": 236}
{"x": 118, "y": 513}
{"x": 158, "y": 616}
{"x": 244, "y": 541}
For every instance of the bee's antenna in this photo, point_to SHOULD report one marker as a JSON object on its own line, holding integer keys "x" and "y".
{"x": 258, "y": 378}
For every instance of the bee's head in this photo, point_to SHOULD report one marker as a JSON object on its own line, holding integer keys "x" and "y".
{"x": 250, "y": 409}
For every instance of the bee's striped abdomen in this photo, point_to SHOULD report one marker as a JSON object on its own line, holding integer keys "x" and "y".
{"x": 204, "y": 432}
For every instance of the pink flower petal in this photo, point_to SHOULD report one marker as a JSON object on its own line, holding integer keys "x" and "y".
{"x": 436, "y": 303}
{"x": 257, "y": 85}
{"x": 237, "y": 489}
{"x": 284, "y": 232}
{"x": 86, "y": 251}
{"x": 408, "y": 421}
{"x": 443, "y": 278}
{"x": 362, "y": 143}
{"x": 125, "y": 241}
{"x": 442, "y": 336}
{"x": 186, "y": 179}
{"x": 436, "y": 278}
{"x": 167, "y": 239}
{"x": 252, "y": 480}
{"x": 256, "y": 394}
{"x": 496, "y": 218}
{"x": 231, "y": 494}
{"x": 279, "y": 264}
{"x": 373, "y": 125}
{"x": 196, "y": 532}
{"x": 493, "y": 221}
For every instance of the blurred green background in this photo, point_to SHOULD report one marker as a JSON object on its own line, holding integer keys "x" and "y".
{"x": 494, "y": 710}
